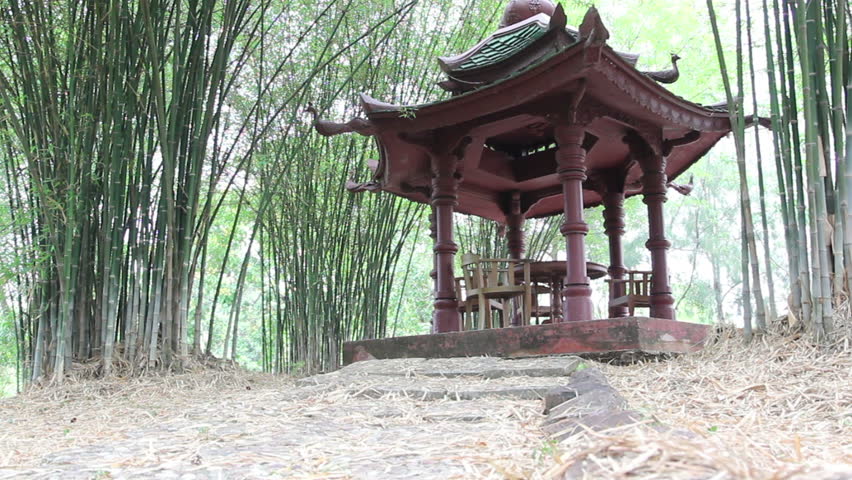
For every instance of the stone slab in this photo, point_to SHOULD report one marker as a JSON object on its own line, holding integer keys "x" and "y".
{"x": 607, "y": 336}
{"x": 479, "y": 367}
{"x": 603, "y": 420}
{"x": 531, "y": 392}
{"x": 590, "y": 404}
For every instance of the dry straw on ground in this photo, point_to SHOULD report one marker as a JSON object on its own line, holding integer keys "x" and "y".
{"x": 231, "y": 424}
{"x": 777, "y": 408}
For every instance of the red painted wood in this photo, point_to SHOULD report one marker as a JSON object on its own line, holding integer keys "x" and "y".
{"x": 608, "y": 336}
{"x": 515, "y": 227}
{"x": 503, "y": 135}
{"x": 571, "y": 159}
{"x": 444, "y": 198}
{"x": 614, "y": 228}
{"x": 654, "y": 196}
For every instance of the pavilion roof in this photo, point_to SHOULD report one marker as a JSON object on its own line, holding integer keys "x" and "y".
{"x": 508, "y": 50}
{"x": 500, "y": 46}
{"x": 516, "y": 79}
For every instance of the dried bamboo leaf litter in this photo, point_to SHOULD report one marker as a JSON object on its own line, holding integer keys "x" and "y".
{"x": 776, "y": 409}
{"x": 234, "y": 424}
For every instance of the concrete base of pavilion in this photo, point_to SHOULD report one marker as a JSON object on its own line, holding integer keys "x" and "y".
{"x": 610, "y": 337}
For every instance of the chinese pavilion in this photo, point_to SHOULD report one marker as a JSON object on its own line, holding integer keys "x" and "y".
{"x": 542, "y": 120}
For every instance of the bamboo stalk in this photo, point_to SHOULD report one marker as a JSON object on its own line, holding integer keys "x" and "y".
{"x": 735, "y": 109}
{"x": 760, "y": 181}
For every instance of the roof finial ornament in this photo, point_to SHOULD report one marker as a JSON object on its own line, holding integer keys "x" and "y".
{"x": 520, "y": 10}
{"x": 592, "y": 30}
{"x": 666, "y": 76}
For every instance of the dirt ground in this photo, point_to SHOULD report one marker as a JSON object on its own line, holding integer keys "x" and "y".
{"x": 777, "y": 409}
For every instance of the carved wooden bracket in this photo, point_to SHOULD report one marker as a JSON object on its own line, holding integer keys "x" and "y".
{"x": 643, "y": 145}
{"x": 573, "y": 114}
{"x": 441, "y": 143}
{"x": 329, "y": 129}
{"x": 408, "y": 188}
{"x": 592, "y": 109}
{"x": 670, "y": 144}
{"x": 609, "y": 180}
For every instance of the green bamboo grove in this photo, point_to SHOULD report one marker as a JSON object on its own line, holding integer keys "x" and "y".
{"x": 129, "y": 127}
{"x": 807, "y": 48}
{"x": 164, "y": 199}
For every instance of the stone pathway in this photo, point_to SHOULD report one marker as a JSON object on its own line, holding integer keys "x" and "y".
{"x": 387, "y": 419}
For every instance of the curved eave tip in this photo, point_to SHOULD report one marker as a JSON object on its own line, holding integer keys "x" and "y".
{"x": 371, "y": 105}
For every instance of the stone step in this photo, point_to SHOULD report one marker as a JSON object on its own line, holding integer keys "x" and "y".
{"x": 481, "y": 367}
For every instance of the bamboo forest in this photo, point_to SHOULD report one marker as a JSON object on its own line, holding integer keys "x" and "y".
{"x": 521, "y": 239}
{"x": 165, "y": 198}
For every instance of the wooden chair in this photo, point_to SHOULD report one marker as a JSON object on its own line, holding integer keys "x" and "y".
{"x": 467, "y": 313}
{"x": 637, "y": 290}
{"x": 493, "y": 279}
{"x": 538, "y": 311}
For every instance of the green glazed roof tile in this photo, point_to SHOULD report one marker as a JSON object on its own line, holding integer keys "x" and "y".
{"x": 504, "y": 46}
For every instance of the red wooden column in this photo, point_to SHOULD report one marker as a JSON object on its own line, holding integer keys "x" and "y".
{"x": 613, "y": 201}
{"x": 571, "y": 167}
{"x": 654, "y": 188}
{"x": 515, "y": 224}
{"x": 515, "y": 238}
{"x": 445, "y": 181}
{"x": 433, "y": 234}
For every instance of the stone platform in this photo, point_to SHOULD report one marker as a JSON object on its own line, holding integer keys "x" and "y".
{"x": 606, "y": 337}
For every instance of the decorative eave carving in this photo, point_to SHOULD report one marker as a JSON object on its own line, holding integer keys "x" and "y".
{"x": 355, "y": 187}
{"x": 666, "y": 76}
{"x": 327, "y": 128}
{"x": 370, "y": 105}
{"x": 375, "y": 184}
{"x": 683, "y": 189}
{"x": 626, "y": 81}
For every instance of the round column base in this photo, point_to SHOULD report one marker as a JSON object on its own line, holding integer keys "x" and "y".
{"x": 445, "y": 317}
{"x": 662, "y": 306}
{"x": 578, "y": 303}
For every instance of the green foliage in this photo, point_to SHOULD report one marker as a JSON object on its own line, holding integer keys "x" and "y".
{"x": 178, "y": 199}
